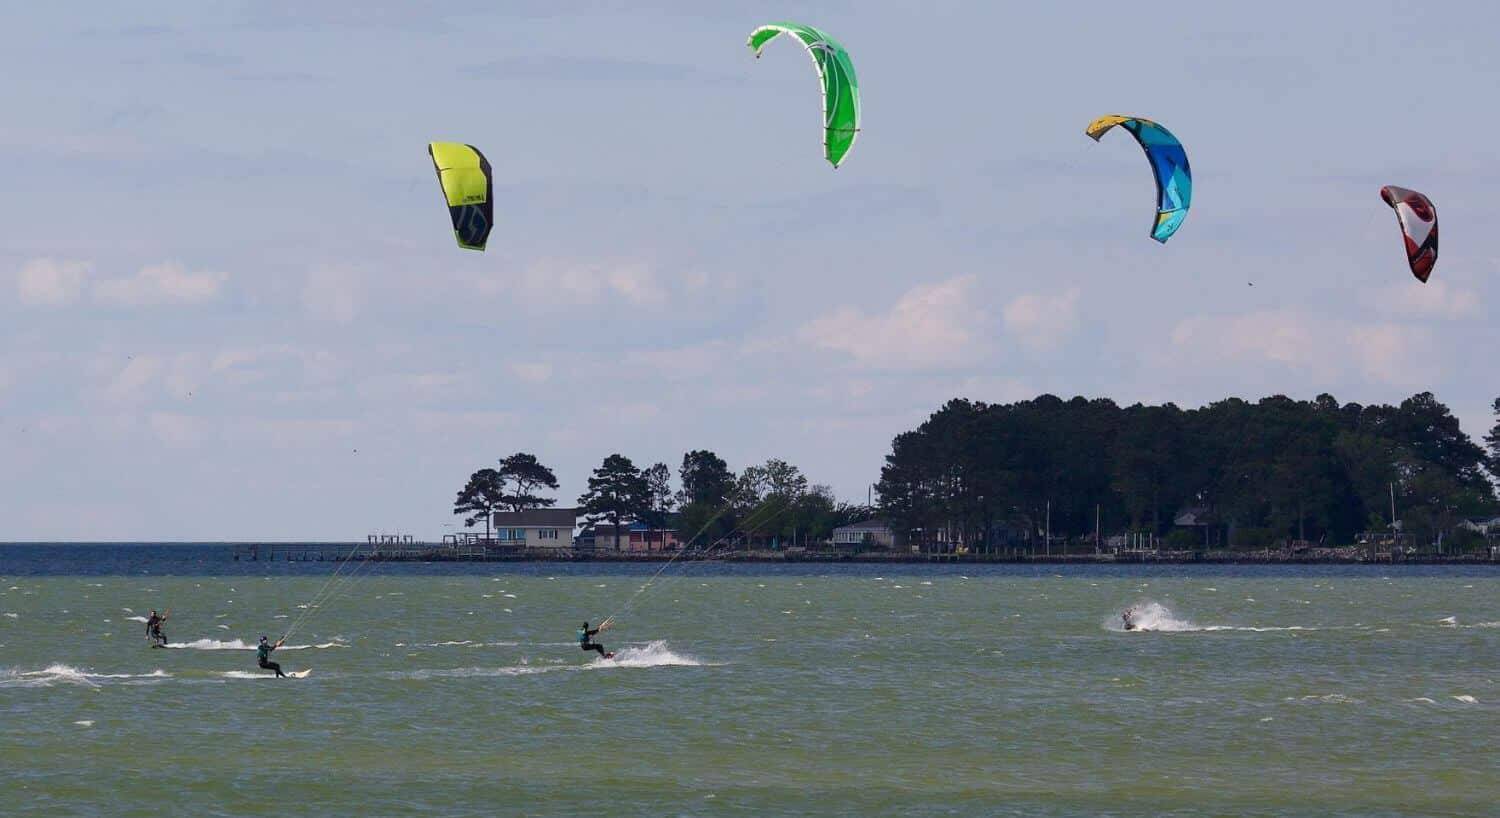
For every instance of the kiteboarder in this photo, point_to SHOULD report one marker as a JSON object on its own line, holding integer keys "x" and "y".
{"x": 153, "y": 628}
{"x": 586, "y": 638}
{"x": 1127, "y": 618}
{"x": 263, "y": 655}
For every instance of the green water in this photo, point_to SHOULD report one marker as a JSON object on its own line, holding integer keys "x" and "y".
{"x": 757, "y": 695}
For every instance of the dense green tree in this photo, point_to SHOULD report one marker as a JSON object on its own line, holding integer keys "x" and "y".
{"x": 617, "y": 492}
{"x": 480, "y": 498}
{"x": 705, "y": 478}
{"x": 1493, "y": 441}
{"x": 659, "y": 498}
{"x": 984, "y": 475}
{"x": 522, "y": 475}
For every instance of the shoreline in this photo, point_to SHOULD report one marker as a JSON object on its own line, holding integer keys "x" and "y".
{"x": 242, "y": 551}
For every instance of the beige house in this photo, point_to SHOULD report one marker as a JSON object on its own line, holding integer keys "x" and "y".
{"x": 535, "y": 528}
{"x": 866, "y": 534}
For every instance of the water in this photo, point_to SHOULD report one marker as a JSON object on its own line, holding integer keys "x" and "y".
{"x": 757, "y": 690}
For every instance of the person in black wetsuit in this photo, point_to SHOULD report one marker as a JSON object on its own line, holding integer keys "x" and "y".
{"x": 153, "y": 627}
{"x": 263, "y": 655}
{"x": 586, "y": 638}
{"x": 1128, "y": 617}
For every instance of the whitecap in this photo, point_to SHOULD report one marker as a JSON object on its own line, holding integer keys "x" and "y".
{"x": 84, "y": 722}
{"x": 1466, "y": 699}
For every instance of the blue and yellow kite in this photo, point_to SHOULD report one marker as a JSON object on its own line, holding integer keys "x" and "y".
{"x": 1174, "y": 179}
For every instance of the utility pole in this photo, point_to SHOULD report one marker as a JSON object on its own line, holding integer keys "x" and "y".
{"x": 1049, "y": 528}
{"x": 1395, "y": 536}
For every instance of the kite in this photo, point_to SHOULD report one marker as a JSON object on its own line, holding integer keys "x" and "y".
{"x": 1419, "y": 227}
{"x": 840, "y": 88}
{"x": 1174, "y": 179}
{"x": 468, "y": 188}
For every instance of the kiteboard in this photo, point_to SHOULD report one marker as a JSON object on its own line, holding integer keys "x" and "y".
{"x": 299, "y": 674}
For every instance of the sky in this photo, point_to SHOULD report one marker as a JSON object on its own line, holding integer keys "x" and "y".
{"x": 234, "y": 308}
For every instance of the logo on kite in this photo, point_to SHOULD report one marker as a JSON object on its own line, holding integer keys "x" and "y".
{"x": 468, "y": 190}
{"x": 1419, "y": 228}
{"x": 835, "y": 72}
{"x": 1169, "y": 164}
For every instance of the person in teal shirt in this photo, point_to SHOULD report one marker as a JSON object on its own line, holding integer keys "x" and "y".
{"x": 586, "y": 638}
{"x": 263, "y": 655}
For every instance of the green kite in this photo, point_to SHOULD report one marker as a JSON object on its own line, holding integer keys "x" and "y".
{"x": 840, "y": 88}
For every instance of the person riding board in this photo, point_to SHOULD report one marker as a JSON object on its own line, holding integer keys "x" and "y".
{"x": 1126, "y": 617}
{"x": 263, "y": 655}
{"x": 153, "y": 627}
{"x": 586, "y": 638}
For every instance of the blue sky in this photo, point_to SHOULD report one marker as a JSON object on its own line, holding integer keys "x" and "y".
{"x": 236, "y": 309}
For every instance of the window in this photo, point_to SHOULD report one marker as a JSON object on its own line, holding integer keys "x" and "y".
{"x": 547, "y": 534}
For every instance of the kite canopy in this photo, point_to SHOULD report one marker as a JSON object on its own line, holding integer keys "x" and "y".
{"x": 840, "y": 88}
{"x": 1174, "y": 179}
{"x": 464, "y": 174}
{"x": 1419, "y": 227}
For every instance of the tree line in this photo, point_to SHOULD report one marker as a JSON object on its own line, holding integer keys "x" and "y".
{"x": 712, "y": 506}
{"x": 995, "y": 476}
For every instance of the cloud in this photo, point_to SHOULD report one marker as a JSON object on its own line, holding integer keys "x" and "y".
{"x": 931, "y": 326}
{"x": 50, "y": 282}
{"x": 165, "y": 283}
{"x": 677, "y": 363}
{"x": 1435, "y": 299}
{"x": 1394, "y": 354}
{"x": 138, "y": 373}
{"x": 572, "y": 68}
{"x": 331, "y": 294}
{"x": 1043, "y": 322}
{"x": 572, "y": 283}
{"x": 532, "y": 371}
{"x": 177, "y": 430}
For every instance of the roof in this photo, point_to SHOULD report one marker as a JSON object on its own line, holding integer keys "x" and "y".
{"x": 1197, "y": 515}
{"x": 871, "y": 524}
{"x": 537, "y": 517}
{"x": 639, "y": 526}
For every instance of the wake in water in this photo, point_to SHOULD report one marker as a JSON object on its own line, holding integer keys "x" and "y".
{"x": 1154, "y": 617}
{"x": 652, "y": 654}
{"x": 235, "y": 644}
{"x": 1151, "y": 616}
{"x": 67, "y": 674}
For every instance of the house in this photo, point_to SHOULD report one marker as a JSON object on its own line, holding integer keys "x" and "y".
{"x": 1203, "y": 520}
{"x": 655, "y": 539}
{"x": 634, "y": 536}
{"x": 535, "y": 528}
{"x": 871, "y": 533}
{"x": 1482, "y": 525}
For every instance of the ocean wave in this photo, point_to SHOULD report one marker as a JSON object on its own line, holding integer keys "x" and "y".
{"x": 1327, "y": 698}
